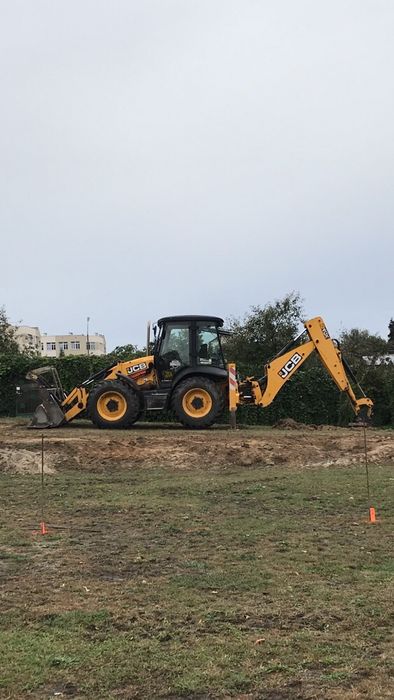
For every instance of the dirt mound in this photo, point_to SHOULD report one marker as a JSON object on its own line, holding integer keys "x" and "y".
{"x": 289, "y": 423}
{"x": 22, "y": 461}
{"x": 291, "y": 443}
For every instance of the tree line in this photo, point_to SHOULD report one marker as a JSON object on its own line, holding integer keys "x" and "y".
{"x": 310, "y": 397}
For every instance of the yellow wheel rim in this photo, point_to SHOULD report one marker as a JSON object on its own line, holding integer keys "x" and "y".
{"x": 197, "y": 403}
{"x": 111, "y": 405}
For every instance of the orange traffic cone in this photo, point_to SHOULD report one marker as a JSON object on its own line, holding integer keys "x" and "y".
{"x": 372, "y": 515}
{"x": 43, "y": 529}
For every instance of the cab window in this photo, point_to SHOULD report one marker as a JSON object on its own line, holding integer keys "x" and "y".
{"x": 208, "y": 346}
{"x": 175, "y": 347}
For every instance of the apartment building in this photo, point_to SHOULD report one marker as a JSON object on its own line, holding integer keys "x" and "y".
{"x": 30, "y": 338}
{"x": 61, "y": 345}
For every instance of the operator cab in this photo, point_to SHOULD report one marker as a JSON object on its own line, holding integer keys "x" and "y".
{"x": 188, "y": 342}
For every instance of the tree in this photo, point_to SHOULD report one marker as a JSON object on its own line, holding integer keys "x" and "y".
{"x": 9, "y": 358}
{"x": 122, "y": 353}
{"x": 263, "y": 333}
{"x": 8, "y": 344}
{"x": 391, "y": 335}
{"x": 362, "y": 349}
{"x": 366, "y": 354}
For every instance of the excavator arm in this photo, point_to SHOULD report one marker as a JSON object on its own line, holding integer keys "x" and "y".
{"x": 285, "y": 365}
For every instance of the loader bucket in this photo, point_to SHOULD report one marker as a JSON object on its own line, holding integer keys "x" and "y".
{"x": 49, "y": 414}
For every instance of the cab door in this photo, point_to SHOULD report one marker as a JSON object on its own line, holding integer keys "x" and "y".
{"x": 174, "y": 351}
{"x": 208, "y": 348}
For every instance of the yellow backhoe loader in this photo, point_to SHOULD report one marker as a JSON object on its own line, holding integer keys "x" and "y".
{"x": 187, "y": 374}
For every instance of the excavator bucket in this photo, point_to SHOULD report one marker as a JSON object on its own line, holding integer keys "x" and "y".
{"x": 363, "y": 418}
{"x": 49, "y": 413}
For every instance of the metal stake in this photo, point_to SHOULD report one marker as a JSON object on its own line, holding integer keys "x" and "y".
{"x": 366, "y": 467}
{"x": 43, "y": 529}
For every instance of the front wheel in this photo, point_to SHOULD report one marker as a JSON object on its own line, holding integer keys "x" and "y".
{"x": 111, "y": 404}
{"x": 197, "y": 402}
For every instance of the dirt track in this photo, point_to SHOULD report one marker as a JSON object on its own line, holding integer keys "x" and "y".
{"x": 82, "y": 447}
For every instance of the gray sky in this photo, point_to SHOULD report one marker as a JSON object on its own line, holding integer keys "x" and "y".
{"x": 187, "y": 156}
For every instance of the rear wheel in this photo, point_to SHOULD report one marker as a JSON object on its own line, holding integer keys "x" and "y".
{"x": 197, "y": 402}
{"x": 111, "y": 404}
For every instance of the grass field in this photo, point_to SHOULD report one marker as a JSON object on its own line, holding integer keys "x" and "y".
{"x": 240, "y": 582}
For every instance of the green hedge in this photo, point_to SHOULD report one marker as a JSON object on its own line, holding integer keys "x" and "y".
{"x": 72, "y": 371}
{"x": 310, "y": 397}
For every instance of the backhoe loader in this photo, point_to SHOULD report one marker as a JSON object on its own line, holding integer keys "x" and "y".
{"x": 187, "y": 373}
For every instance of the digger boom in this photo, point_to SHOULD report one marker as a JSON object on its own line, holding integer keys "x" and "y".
{"x": 288, "y": 362}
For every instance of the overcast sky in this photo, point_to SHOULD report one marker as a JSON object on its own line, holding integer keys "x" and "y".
{"x": 195, "y": 156}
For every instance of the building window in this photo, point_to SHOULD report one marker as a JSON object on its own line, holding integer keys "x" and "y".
{"x": 75, "y": 345}
{"x": 51, "y": 346}
{"x": 90, "y": 346}
{"x": 63, "y": 345}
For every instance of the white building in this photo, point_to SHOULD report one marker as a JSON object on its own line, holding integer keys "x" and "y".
{"x": 62, "y": 345}
{"x": 30, "y": 338}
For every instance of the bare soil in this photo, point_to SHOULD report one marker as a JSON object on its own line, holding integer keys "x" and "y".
{"x": 82, "y": 446}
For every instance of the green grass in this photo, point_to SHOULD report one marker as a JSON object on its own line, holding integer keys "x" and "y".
{"x": 205, "y": 583}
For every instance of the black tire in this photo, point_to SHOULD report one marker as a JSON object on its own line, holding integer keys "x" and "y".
{"x": 197, "y": 402}
{"x": 111, "y": 404}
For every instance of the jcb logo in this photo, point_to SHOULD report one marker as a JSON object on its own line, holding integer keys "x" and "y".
{"x": 290, "y": 365}
{"x": 136, "y": 368}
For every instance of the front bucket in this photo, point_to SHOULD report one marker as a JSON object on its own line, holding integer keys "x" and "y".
{"x": 48, "y": 414}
